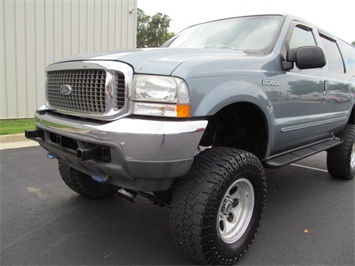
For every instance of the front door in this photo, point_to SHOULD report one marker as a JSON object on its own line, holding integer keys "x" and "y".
{"x": 300, "y": 112}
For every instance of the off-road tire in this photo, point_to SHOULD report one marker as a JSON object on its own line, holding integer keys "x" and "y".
{"x": 195, "y": 218}
{"x": 341, "y": 159}
{"x": 84, "y": 185}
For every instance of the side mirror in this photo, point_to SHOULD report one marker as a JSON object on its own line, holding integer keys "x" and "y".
{"x": 306, "y": 57}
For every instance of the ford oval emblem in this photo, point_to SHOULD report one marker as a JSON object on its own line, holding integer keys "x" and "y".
{"x": 65, "y": 89}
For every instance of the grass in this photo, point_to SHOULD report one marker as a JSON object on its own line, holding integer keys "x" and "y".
{"x": 16, "y": 126}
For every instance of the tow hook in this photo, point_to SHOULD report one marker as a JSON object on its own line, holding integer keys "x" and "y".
{"x": 33, "y": 134}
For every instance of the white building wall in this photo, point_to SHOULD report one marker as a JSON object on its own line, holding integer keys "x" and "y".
{"x": 35, "y": 33}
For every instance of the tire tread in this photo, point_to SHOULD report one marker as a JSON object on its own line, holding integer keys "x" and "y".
{"x": 338, "y": 158}
{"x": 83, "y": 184}
{"x": 199, "y": 189}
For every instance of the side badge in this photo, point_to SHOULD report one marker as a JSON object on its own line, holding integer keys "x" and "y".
{"x": 270, "y": 82}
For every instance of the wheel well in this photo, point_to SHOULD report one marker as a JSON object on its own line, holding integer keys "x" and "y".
{"x": 240, "y": 125}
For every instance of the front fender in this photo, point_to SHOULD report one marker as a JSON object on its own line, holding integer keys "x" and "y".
{"x": 228, "y": 93}
{"x": 212, "y": 100}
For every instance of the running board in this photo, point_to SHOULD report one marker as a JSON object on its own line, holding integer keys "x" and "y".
{"x": 298, "y": 154}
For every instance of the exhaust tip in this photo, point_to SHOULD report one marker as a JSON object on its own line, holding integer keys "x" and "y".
{"x": 126, "y": 194}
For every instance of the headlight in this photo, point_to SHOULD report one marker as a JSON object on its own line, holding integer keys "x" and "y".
{"x": 160, "y": 96}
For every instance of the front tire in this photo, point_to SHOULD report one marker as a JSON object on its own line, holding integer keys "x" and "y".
{"x": 84, "y": 185}
{"x": 217, "y": 208}
{"x": 341, "y": 159}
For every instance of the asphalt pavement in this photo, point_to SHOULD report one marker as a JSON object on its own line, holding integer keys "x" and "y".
{"x": 309, "y": 220}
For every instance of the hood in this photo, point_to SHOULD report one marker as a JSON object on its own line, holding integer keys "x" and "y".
{"x": 160, "y": 61}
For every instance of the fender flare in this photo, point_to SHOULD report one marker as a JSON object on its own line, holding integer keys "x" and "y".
{"x": 232, "y": 92}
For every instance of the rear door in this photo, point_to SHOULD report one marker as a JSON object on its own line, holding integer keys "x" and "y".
{"x": 337, "y": 83}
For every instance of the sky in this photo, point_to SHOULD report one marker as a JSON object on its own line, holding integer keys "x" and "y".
{"x": 335, "y": 17}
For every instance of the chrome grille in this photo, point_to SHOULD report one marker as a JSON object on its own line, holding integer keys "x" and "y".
{"x": 120, "y": 93}
{"x": 88, "y": 91}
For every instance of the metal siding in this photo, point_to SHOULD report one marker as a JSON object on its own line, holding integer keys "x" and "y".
{"x": 124, "y": 16}
{"x": 67, "y": 29}
{"x": 10, "y": 60}
{"x": 118, "y": 25}
{"x": 49, "y": 32}
{"x": 58, "y": 30}
{"x": 20, "y": 32}
{"x": 105, "y": 25}
{"x": 36, "y": 33}
{"x": 75, "y": 26}
{"x": 3, "y": 96}
{"x": 30, "y": 52}
{"x": 83, "y": 27}
{"x": 40, "y": 57}
{"x": 111, "y": 27}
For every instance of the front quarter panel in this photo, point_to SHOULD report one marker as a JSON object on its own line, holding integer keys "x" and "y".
{"x": 211, "y": 94}
{"x": 207, "y": 102}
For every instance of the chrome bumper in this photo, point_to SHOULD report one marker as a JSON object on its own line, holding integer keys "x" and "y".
{"x": 139, "y": 154}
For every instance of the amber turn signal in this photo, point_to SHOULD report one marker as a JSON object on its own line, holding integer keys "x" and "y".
{"x": 183, "y": 110}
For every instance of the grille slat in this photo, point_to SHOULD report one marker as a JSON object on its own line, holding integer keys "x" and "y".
{"x": 88, "y": 91}
{"x": 120, "y": 91}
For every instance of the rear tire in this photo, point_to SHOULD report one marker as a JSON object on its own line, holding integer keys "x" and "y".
{"x": 84, "y": 185}
{"x": 217, "y": 208}
{"x": 341, "y": 159}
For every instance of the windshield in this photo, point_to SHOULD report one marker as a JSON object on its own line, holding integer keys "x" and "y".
{"x": 250, "y": 34}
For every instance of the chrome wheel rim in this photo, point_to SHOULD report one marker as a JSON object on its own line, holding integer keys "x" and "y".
{"x": 236, "y": 210}
{"x": 352, "y": 157}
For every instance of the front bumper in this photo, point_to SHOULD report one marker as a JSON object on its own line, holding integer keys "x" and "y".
{"x": 136, "y": 154}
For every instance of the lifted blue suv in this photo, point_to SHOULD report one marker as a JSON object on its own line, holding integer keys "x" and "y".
{"x": 192, "y": 124}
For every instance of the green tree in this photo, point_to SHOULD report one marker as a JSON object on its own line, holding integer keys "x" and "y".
{"x": 353, "y": 43}
{"x": 152, "y": 31}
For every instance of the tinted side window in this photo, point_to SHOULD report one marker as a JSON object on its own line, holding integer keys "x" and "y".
{"x": 333, "y": 56}
{"x": 301, "y": 37}
{"x": 348, "y": 52}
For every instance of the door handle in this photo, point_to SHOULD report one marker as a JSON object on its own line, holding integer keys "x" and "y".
{"x": 325, "y": 83}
